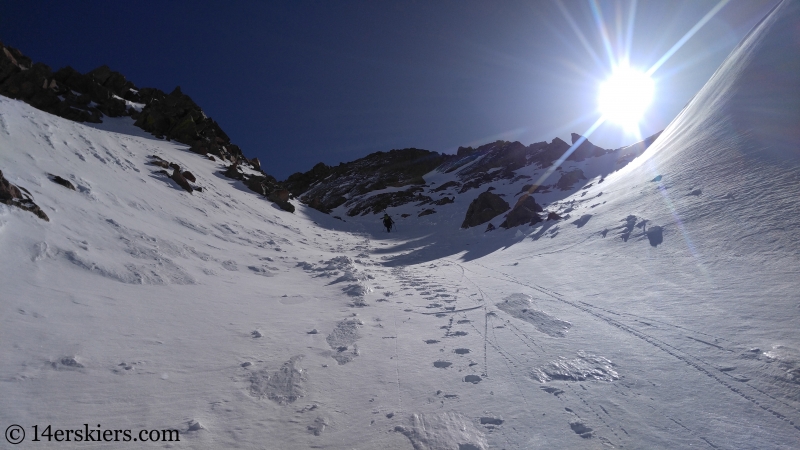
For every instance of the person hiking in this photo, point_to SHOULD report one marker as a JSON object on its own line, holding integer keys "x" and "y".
{"x": 387, "y": 222}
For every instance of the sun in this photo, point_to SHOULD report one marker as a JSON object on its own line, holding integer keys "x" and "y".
{"x": 625, "y": 96}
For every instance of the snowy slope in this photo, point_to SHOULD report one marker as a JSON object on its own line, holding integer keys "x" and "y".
{"x": 657, "y": 314}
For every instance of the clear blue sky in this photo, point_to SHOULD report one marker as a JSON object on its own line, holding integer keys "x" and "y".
{"x": 299, "y": 82}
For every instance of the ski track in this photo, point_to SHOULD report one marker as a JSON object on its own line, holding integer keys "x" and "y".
{"x": 691, "y": 360}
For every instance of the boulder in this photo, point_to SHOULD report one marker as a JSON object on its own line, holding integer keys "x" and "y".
{"x": 282, "y": 195}
{"x": 256, "y": 163}
{"x": 177, "y": 176}
{"x": 189, "y": 176}
{"x": 483, "y": 209}
{"x": 490, "y": 227}
{"x": 58, "y": 180}
{"x": 553, "y": 216}
{"x": 233, "y": 172}
{"x": 8, "y": 192}
{"x": 524, "y": 212}
{"x": 568, "y": 179}
{"x": 277, "y": 196}
{"x": 159, "y": 163}
{"x": 444, "y": 201}
{"x": 12, "y": 196}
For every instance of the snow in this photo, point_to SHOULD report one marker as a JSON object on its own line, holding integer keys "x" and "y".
{"x": 138, "y": 107}
{"x": 660, "y": 314}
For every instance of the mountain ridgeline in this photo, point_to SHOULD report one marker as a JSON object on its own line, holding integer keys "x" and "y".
{"x": 383, "y": 180}
{"x": 367, "y": 185}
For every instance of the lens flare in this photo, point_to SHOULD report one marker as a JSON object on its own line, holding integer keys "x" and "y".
{"x": 625, "y": 97}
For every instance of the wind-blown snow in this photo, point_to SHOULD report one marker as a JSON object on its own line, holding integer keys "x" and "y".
{"x": 662, "y": 312}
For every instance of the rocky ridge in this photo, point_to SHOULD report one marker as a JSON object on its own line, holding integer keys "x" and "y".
{"x": 392, "y": 179}
{"x": 367, "y": 185}
{"x": 102, "y": 92}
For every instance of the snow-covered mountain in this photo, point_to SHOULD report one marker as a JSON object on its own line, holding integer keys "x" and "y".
{"x": 660, "y": 311}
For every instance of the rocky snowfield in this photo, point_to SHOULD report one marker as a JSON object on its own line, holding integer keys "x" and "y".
{"x": 658, "y": 306}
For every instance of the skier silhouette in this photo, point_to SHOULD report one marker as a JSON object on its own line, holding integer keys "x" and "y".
{"x": 387, "y": 222}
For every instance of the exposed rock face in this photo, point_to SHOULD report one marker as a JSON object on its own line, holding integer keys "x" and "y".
{"x": 8, "y": 191}
{"x": 87, "y": 97}
{"x": 568, "y": 179}
{"x": 11, "y": 195}
{"x": 380, "y": 202}
{"x": 483, "y": 209}
{"x": 58, "y": 180}
{"x": 331, "y": 185}
{"x": 281, "y": 198}
{"x": 509, "y": 156}
{"x": 585, "y": 150}
{"x": 177, "y": 176}
{"x": 444, "y": 201}
{"x": 524, "y": 212}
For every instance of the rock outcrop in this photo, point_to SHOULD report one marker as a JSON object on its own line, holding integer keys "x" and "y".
{"x": 524, "y": 212}
{"x": 58, "y": 180}
{"x": 102, "y": 92}
{"x": 327, "y": 187}
{"x": 568, "y": 179}
{"x": 13, "y": 196}
{"x": 483, "y": 209}
{"x": 178, "y": 177}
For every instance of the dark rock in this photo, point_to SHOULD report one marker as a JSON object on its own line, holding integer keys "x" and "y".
{"x": 427, "y": 212}
{"x": 381, "y": 202}
{"x": 524, "y": 212}
{"x": 490, "y": 227}
{"x": 281, "y": 198}
{"x": 12, "y": 196}
{"x": 159, "y": 163}
{"x": 57, "y": 179}
{"x": 568, "y": 179}
{"x": 8, "y": 191}
{"x": 553, "y": 216}
{"x": 178, "y": 178}
{"x": 405, "y": 215}
{"x": 483, "y": 209}
{"x": 256, "y": 184}
{"x": 447, "y": 185}
{"x": 332, "y": 185}
{"x": 585, "y": 150}
{"x": 256, "y": 163}
{"x": 233, "y": 172}
{"x": 282, "y": 195}
{"x": 444, "y": 201}
{"x": 189, "y": 176}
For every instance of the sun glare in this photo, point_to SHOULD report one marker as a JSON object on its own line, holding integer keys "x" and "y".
{"x": 625, "y": 96}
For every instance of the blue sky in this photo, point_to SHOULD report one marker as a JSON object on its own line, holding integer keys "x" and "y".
{"x": 300, "y": 82}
